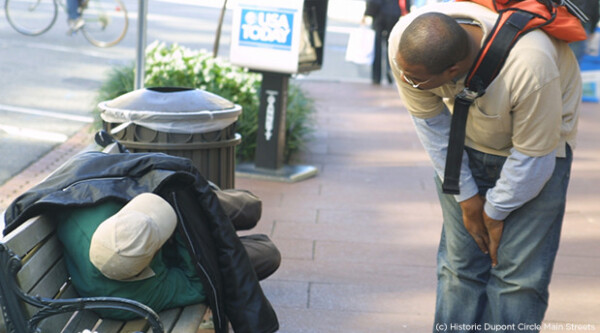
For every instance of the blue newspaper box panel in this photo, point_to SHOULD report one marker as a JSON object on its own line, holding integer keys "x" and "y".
{"x": 590, "y": 69}
{"x": 278, "y": 36}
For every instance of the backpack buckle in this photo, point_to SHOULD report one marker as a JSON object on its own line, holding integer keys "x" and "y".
{"x": 468, "y": 95}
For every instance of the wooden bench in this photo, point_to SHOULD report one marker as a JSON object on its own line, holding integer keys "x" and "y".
{"x": 36, "y": 292}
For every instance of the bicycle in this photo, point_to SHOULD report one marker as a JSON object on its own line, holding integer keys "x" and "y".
{"x": 105, "y": 25}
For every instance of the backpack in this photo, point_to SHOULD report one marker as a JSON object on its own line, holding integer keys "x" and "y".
{"x": 558, "y": 18}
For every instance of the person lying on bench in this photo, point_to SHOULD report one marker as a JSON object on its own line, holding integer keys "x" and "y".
{"x": 131, "y": 251}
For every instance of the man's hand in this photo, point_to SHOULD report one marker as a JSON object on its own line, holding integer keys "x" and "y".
{"x": 494, "y": 230}
{"x": 472, "y": 210}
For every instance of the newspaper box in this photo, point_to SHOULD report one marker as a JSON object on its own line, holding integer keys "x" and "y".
{"x": 277, "y": 38}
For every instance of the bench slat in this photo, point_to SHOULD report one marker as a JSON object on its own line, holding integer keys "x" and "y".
{"x": 47, "y": 255}
{"x": 60, "y": 322}
{"x": 168, "y": 318}
{"x": 207, "y": 317}
{"x": 27, "y": 235}
{"x": 49, "y": 287}
{"x": 190, "y": 318}
{"x": 52, "y": 282}
{"x": 82, "y": 320}
{"x": 136, "y": 325}
{"x": 108, "y": 325}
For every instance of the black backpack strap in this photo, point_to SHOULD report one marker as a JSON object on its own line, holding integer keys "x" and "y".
{"x": 496, "y": 48}
{"x": 456, "y": 142}
{"x": 489, "y": 61}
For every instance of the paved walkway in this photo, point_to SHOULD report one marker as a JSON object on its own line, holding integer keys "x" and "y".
{"x": 359, "y": 239}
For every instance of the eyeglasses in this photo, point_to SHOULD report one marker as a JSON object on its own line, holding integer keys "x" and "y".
{"x": 411, "y": 82}
{"x": 407, "y": 80}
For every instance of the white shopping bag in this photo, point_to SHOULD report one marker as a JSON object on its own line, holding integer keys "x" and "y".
{"x": 361, "y": 46}
{"x": 593, "y": 44}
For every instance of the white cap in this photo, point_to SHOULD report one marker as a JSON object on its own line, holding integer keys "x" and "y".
{"x": 124, "y": 244}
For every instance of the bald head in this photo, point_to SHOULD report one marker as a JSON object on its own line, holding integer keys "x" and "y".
{"x": 435, "y": 41}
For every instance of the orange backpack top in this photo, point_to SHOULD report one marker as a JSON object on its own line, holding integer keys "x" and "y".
{"x": 558, "y": 18}
{"x": 562, "y": 21}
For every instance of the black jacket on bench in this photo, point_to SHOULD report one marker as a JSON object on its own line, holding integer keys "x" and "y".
{"x": 88, "y": 178}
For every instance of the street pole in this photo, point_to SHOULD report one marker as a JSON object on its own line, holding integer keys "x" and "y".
{"x": 218, "y": 34}
{"x": 140, "y": 59}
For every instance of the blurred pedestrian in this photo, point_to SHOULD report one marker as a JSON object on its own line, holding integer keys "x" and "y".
{"x": 75, "y": 20}
{"x": 591, "y": 8}
{"x": 384, "y": 14}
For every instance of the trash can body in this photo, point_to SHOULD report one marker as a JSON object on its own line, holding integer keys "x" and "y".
{"x": 181, "y": 122}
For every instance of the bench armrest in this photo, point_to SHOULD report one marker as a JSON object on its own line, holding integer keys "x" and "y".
{"x": 15, "y": 316}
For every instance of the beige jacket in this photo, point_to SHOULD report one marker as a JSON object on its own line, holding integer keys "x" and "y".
{"x": 533, "y": 103}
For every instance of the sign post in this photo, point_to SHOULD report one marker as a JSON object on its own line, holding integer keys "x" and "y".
{"x": 140, "y": 54}
{"x": 270, "y": 139}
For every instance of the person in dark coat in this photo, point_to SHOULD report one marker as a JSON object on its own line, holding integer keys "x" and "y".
{"x": 591, "y": 8}
{"x": 384, "y": 14}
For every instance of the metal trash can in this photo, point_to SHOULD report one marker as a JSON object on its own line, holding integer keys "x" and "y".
{"x": 183, "y": 122}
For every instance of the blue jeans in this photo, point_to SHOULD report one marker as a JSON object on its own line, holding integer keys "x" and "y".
{"x": 474, "y": 297}
{"x": 72, "y": 7}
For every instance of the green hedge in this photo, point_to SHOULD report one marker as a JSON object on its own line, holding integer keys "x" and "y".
{"x": 177, "y": 66}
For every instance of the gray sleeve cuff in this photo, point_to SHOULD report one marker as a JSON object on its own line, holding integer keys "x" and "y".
{"x": 467, "y": 190}
{"x": 495, "y": 213}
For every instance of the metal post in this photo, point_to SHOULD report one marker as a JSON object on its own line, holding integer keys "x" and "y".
{"x": 218, "y": 34}
{"x": 270, "y": 140}
{"x": 140, "y": 58}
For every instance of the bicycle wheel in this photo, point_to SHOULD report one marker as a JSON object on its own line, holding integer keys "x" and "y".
{"x": 105, "y": 22}
{"x": 31, "y": 17}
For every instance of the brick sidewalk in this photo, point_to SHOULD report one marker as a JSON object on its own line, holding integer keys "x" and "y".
{"x": 359, "y": 240}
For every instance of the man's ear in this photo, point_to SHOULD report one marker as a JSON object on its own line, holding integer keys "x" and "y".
{"x": 453, "y": 71}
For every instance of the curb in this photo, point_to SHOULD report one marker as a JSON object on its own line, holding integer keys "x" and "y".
{"x": 40, "y": 169}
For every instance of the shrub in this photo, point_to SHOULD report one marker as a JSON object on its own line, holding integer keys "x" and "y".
{"x": 177, "y": 66}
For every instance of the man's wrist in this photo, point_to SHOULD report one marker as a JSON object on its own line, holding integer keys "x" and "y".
{"x": 467, "y": 191}
{"x": 493, "y": 212}
{"x": 472, "y": 206}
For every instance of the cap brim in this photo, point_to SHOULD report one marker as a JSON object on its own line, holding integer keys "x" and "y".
{"x": 146, "y": 273}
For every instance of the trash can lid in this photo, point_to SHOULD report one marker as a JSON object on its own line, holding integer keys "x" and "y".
{"x": 172, "y": 110}
{"x": 169, "y": 99}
